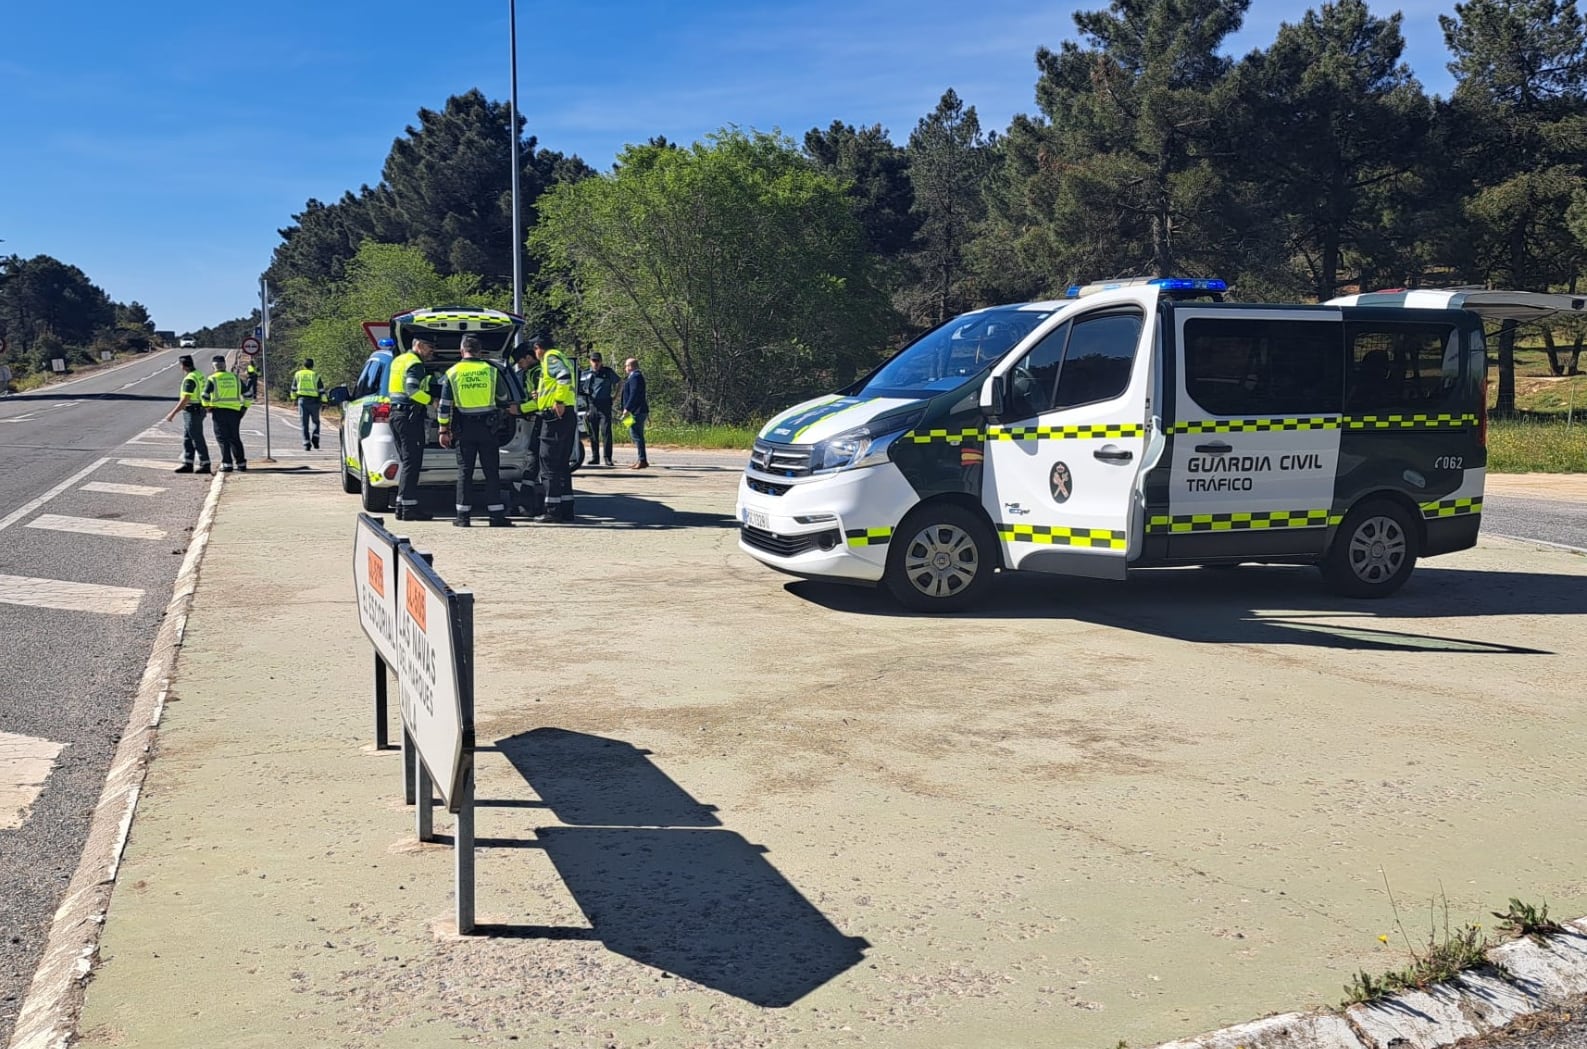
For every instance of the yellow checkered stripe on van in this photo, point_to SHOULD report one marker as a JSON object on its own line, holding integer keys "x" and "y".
{"x": 487, "y": 320}
{"x": 1180, "y": 524}
{"x": 1036, "y": 433}
{"x": 1299, "y": 422}
{"x": 1409, "y": 422}
{"x": 1452, "y": 508}
{"x": 868, "y": 536}
{"x": 971, "y": 433}
{"x": 1052, "y": 534}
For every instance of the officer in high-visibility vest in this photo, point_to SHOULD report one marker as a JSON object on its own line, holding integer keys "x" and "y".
{"x": 250, "y": 379}
{"x": 192, "y": 409}
{"x": 473, "y": 394}
{"x": 531, "y": 498}
{"x": 224, "y": 398}
{"x": 556, "y": 399}
{"x": 408, "y": 387}
{"x": 309, "y": 389}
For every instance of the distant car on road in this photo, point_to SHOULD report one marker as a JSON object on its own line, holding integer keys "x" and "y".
{"x": 368, "y": 447}
{"x": 186, "y": 344}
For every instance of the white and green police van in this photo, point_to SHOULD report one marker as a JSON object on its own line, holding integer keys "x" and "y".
{"x": 1138, "y": 425}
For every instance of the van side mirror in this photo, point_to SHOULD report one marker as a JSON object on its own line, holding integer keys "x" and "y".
{"x": 992, "y": 406}
{"x": 338, "y": 395}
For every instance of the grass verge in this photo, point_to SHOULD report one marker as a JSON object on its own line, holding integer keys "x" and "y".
{"x": 1537, "y": 444}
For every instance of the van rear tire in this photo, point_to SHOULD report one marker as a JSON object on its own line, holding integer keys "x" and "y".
{"x": 376, "y": 500}
{"x": 941, "y": 559}
{"x": 1373, "y": 552}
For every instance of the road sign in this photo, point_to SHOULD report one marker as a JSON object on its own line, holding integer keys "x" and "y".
{"x": 435, "y": 673}
{"x": 375, "y": 583}
{"x": 251, "y": 346}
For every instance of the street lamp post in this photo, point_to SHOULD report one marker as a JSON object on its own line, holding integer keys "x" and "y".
{"x": 512, "y": 112}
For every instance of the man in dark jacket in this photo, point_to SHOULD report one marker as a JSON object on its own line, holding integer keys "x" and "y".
{"x": 636, "y": 404}
{"x": 600, "y": 384}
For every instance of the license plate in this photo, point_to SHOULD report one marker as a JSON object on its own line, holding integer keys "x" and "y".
{"x": 757, "y": 519}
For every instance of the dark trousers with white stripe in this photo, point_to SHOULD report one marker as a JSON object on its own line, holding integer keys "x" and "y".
{"x": 193, "y": 436}
{"x": 556, "y": 448}
{"x": 476, "y": 440}
{"x": 407, "y": 426}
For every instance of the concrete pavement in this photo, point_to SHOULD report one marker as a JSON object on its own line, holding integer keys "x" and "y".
{"x": 721, "y": 808}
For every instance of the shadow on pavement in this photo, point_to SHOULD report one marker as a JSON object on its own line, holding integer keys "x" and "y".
{"x": 24, "y": 397}
{"x": 1256, "y": 605}
{"x": 661, "y": 883}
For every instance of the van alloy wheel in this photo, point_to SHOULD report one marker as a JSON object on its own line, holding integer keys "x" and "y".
{"x": 941, "y": 559}
{"x": 1377, "y": 549}
{"x": 1374, "y": 550}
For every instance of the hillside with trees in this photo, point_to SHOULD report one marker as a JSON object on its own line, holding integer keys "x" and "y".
{"x": 750, "y": 269}
{"x": 50, "y": 310}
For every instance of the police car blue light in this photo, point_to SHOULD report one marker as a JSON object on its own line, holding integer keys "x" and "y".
{"x": 1199, "y": 285}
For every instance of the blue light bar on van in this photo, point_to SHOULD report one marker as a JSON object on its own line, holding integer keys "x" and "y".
{"x": 1209, "y": 285}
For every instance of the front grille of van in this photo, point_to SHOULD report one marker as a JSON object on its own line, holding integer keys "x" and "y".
{"x": 766, "y": 487}
{"x": 780, "y": 460}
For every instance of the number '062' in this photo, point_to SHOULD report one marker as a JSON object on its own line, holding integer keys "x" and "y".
{"x": 1449, "y": 462}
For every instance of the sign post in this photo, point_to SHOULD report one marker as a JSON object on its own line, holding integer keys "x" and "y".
{"x": 435, "y": 677}
{"x": 264, "y": 358}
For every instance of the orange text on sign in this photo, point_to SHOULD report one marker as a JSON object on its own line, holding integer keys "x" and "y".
{"x": 415, "y": 600}
{"x": 377, "y": 573}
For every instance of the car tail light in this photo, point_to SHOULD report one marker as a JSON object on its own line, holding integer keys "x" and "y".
{"x": 1482, "y": 414}
{"x": 380, "y": 413}
{"x": 391, "y": 472}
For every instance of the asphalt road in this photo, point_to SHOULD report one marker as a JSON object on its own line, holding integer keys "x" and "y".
{"x": 78, "y": 528}
{"x": 1548, "y": 520}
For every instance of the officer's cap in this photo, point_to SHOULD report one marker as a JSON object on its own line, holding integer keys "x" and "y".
{"x": 543, "y": 340}
{"x": 217, "y": 359}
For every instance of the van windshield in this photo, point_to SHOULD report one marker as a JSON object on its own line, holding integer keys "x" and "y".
{"x": 944, "y": 358}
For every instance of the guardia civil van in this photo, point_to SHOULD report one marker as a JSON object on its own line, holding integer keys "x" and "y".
{"x": 1136, "y": 425}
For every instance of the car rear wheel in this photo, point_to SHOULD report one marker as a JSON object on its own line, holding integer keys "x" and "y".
{"x": 376, "y": 500}
{"x": 941, "y": 559}
{"x": 1373, "y": 552}
{"x": 350, "y": 483}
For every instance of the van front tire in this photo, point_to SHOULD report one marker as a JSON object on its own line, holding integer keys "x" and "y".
{"x": 941, "y": 559}
{"x": 350, "y": 481}
{"x": 1373, "y": 552}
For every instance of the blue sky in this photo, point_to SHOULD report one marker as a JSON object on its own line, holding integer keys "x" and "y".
{"x": 160, "y": 145}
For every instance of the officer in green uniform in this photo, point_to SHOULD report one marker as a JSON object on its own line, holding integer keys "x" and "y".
{"x": 555, "y": 400}
{"x": 309, "y": 389}
{"x": 192, "y": 418}
{"x": 473, "y": 393}
{"x": 408, "y": 387}
{"x": 224, "y": 398}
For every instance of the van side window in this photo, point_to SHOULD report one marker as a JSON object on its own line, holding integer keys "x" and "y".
{"x": 1082, "y": 362}
{"x": 370, "y": 380}
{"x": 1099, "y": 359}
{"x": 1397, "y": 366}
{"x": 1254, "y": 368}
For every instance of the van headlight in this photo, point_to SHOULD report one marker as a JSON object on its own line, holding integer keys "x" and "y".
{"x": 862, "y": 446}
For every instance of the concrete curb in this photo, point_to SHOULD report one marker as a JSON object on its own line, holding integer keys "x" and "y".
{"x": 1526, "y": 977}
{"x": 48, "y": 1017}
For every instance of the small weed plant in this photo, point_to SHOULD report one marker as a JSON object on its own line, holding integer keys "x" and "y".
{"x": 1449, "y": 951}
{"x": 1523, "y": 919}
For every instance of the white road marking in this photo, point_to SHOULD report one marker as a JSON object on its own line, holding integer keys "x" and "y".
{"x": 95, "y": 526}
{"x": 122, "y": 489}
{"x": 147, "y": 464}
{"x": 22, "y": 511}
{"x": 25, "y": 763}
{"x": 68, "y": 596}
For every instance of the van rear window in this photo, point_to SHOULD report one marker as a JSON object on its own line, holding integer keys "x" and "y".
{"x": 1252, "y": 368}
{"x": 1401, "y": 366}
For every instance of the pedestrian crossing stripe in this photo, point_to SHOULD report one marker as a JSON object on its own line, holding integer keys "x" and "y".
{"x": 1179, "y": 524}
{"x": 868, "y": 536}
{"x": 25, "y": 765}
{"x": 1095, "y": 538}
{"x": 1027, "y": 433}
{"x": 1452, "y": 507}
